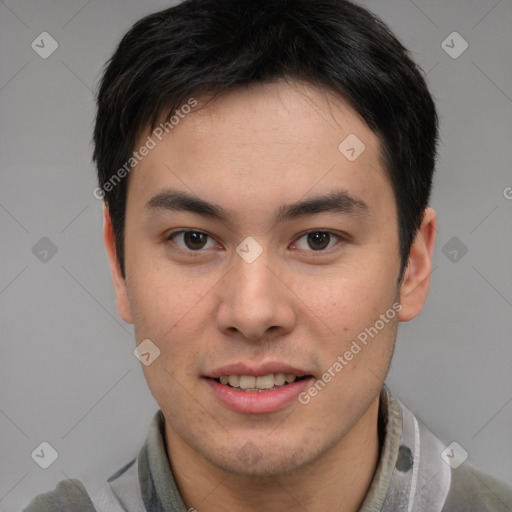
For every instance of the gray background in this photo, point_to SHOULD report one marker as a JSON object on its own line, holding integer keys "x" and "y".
{"x": 67, "y": 371}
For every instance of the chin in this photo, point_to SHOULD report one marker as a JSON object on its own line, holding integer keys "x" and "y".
{"x": 262, "y": 459}
{"x": 267, "y": 466}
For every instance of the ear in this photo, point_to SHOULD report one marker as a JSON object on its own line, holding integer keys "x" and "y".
{"x": 123, "y": 303}
{"x": 416, "y": 281}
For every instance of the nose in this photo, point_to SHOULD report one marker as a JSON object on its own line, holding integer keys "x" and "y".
{"x": 255, "y": 301}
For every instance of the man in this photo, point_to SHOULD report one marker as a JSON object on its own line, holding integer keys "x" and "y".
{"x": 266, "y": 169}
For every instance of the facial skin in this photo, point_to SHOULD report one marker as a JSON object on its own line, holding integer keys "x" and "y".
{"x": 252, "y": 152}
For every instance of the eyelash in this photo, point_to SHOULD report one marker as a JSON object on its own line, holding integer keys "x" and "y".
{"x": 199, "y": 252}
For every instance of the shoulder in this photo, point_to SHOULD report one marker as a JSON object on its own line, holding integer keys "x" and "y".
{"x": 474, "y": 490}
{"x": 68, "y": 496}
{"x": 441, "y": 486}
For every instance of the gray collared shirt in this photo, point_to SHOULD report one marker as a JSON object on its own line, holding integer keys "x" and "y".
{"x": 416, "y": 472}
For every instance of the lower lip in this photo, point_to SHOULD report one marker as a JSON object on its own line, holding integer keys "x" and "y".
{"x": 258, "y": 402}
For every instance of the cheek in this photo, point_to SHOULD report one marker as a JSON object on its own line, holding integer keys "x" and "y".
{"x": 166, "y": 299}
{"x": 347, "y": 301}
{"x": 174, "y": 311}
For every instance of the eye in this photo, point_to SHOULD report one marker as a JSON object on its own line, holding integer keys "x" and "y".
{"x": 191, "y": 240}
{"x": 317, "y": 241}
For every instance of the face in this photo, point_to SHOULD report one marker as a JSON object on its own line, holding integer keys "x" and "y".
{"x": 257, "y": 246}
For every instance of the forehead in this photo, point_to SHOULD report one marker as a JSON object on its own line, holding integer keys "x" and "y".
{"x": 274, "y": 142}
{"x": 286, "y": 118}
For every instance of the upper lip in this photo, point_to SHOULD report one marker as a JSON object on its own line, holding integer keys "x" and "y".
{"x": 256, "y": 370}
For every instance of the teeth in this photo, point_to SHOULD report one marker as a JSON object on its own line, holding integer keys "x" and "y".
{"x": 251, "y": 383}
{"x": 279, "y": 379}
{"x": 265, "y": 382}
{"x": 234, "y": 381}
{"x": 247, "y": 381}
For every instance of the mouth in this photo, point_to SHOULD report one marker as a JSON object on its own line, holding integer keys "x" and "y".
{"x": 265, "y": 389}
{"x": 260, "y": 383}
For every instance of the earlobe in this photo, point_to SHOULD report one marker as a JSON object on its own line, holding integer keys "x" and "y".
{"x": 123, "y": 303}
{"x": 416, "y": 282}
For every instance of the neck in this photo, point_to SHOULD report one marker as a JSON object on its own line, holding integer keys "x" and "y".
{"x": 337, "y": 480}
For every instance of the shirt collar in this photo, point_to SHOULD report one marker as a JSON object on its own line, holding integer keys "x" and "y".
{"x": 390, "y": 423}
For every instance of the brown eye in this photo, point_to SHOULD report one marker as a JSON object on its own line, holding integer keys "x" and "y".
{"x": 317, "y": 241}
{"x": 191, "y": 240}
{"x": 195, "y": 240}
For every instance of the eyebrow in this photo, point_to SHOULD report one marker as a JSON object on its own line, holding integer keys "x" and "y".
{"x": 337, "y": 201}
